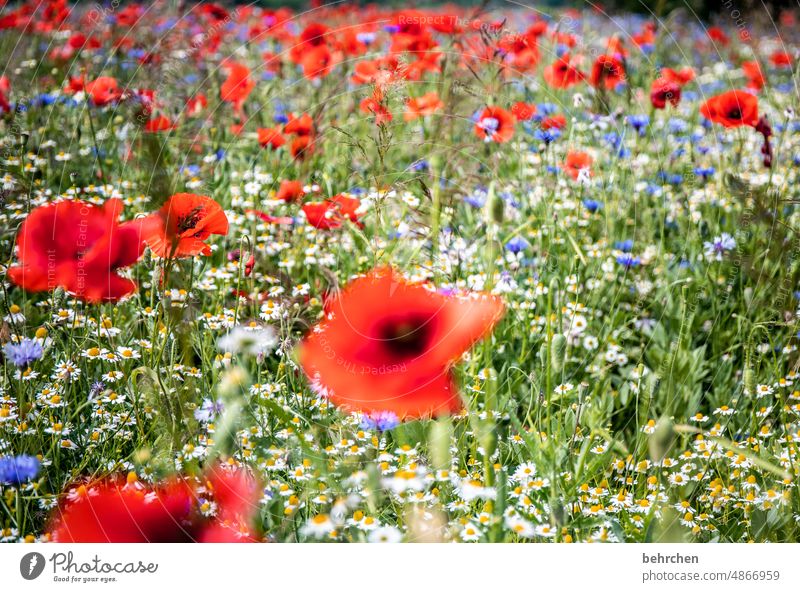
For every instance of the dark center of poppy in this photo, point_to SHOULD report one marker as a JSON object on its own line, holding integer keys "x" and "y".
{"x": 190, "y": 220}
{"x": 405, "y": 337}
{"x": 735, "y": 113}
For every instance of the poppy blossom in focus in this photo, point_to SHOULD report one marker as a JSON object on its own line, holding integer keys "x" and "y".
{"x": 495, "y": 124}
{"x": 607, "y": 71}
{"x": 389, "y": 345}
{"x": 104, "y": 90}
{"x": 179, "y": 228}
{"x": 576, "y": 162}
{"x": 77, "y": 246}
{"x": 732, "y": 109}
{"x": 128, "y": 511}
{"x": 664, "y": 91}
{"x": 332, "y": 213}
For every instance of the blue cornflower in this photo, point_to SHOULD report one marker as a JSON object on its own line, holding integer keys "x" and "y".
{"x": 639, "y": 122}
{"x": 97, "y": 388}
{"x": 478, "y": 198}
{"x": 380, "y": 420}
{"x": 517, "y": 244}
{"x": 592, "y": 205}
{"x": 419, "y": 165}
{"x": 625, "y": 246}
{"x": 677, "y": 126}
{"x": 547, "y": 136}
{"x": 23, "y": 353}
{"x": 627, "y": 260}
{"x": 545, "y": 109}
{"x": 281, "y": 118}
{"x": 15, "y": 470}
{"x": 704, "y": 172}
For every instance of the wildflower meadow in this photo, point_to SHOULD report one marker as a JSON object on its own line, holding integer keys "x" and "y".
{"x": 358, "y": 272}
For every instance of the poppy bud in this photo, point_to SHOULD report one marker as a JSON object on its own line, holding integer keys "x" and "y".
{"x": 749, "y": 380}
{"x": 494, "y": 207}
{"x": 558, "y": 352}
{"x": 439, "y": 437}
{"x": 660, "y": 440}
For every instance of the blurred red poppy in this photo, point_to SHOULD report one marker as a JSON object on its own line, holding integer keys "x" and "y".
{"x": 732, "y": 109}
{"x": 179, "y": 228}
{"x": 237, "y": 86}
{"x": 389, "y": 345}
{"x": 290, "y": 190}
{"x": 664, "y": 91}
{"x": 270, "y": 136}
{"x": 495, "y": 124}
{"x": 104, "y": 90}
{"x": 607, "y": 71}
{"x": 577, "y": 161}
{"x": 754, "y": 74}
{"x": 562, "y": 73}
{"x": 77, "y": 246}
{"x": 682, "y": 77}
{"x": 161, "y": 123}
{"x": 333, "y": 212}
{"x": 128, "y": 511}
{"x": 427, "y": 104}
{"x": 523, "y": 111}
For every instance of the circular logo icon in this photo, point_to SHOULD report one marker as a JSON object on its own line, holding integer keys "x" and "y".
{"x": 31, "y": 565}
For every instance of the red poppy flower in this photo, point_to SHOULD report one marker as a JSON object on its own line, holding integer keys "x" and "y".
{"x": 718, "y": 35}
{"x": 495, "y": 124}
{"x": 682, "y": 77}
{"x": 159, "y": 124}
{"x": 523, "y": 111}
{"x": 562, "y": 74}
{"x": 5, "y": 89}
{"x": 374, "y": 105}
{"x": 732, "y": 109}
{"x": 558, "y": 121}
{"x": 237, "y": 86}
{"x": 77, "y": 246}
{"x": 301, "y": 147}
{"x": 179, "y": 228}
{"x": 389, "y": 345}
{"x": 427, "y": 104}
{"x": 313, "y": 36}
{"x": 104, "y": 90}
{"x": 332, "y": 212}
{"x": 608, "y": 71}
{"x": 302, "y": 126}
{"x": 270, "y": 136}
{"x": 128, "y": 511}
{"x": 781, "y": 59}
{"x": 754, "y": 74}
{"x": 196, "y": 104}
{"x": 318, "y": 62}
{"x": 290, "y": 190}
{"x": 662, "y": 91}
{"x": 576, "y": 162}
